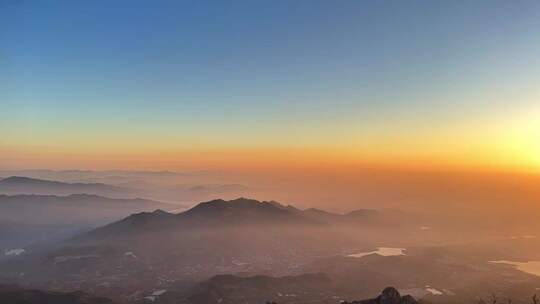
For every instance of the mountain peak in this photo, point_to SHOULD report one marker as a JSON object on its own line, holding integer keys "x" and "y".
{"x": 147, "y": 215}
{"x": 160, "y": 212}
{"x": 135, "y": 223}
{"x": 239, "y": 205}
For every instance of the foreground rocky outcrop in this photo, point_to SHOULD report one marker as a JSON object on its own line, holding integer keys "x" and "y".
{"x": 390, "y": 295}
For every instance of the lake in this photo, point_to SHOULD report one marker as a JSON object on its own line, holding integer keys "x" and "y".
{"x": 383, "y": 251}
{"x": 532, "y": 267}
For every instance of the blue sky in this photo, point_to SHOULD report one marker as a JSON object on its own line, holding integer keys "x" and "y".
{"x": 263, "y": 72}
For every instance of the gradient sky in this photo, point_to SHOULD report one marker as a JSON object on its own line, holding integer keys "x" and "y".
{"x": 166, "y": 84}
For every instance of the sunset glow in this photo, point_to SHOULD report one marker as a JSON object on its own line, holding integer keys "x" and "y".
{"x": 385, "y": 90}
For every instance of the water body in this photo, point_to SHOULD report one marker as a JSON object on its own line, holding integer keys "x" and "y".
{"x": 382, "y": 251}
{"x": 14, "y": 252}
{"x": 516, "y": 237}
{"x": 434, "y": 291}
{"x": 532, "y": 267}
{"x": 423, "y": 292}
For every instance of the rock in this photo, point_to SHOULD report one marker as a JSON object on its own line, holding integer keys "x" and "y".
{"x": 390, "y": 295}
{"x": 408, "y": 300}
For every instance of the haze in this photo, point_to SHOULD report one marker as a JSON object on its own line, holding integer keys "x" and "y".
{"x": 203, "y": 152}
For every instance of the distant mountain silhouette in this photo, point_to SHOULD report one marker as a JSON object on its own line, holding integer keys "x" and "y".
{"x": 221, "y": 213}
{"x": 24, "y": 185}
{"x": 16, "y": 295}
{"x": 242, "y": 210}
{"x": 211, "y": 214}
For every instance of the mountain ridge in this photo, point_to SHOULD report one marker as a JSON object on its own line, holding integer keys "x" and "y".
{"x": 15, "y": 185}
{"x": 224, "y": 213}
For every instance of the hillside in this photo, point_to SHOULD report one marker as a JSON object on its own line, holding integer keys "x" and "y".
{"x": 61, "y": 216}
{"x": 238, "y": 213}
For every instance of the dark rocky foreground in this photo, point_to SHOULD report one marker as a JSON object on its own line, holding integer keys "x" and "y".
{"x": 16, "y": 295}
{"x": 390, "y": 295}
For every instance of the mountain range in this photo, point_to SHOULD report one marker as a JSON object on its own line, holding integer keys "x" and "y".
{"x": 15, "y": 185}
{"x": 239, "y": 249}
{"x": 162, "y": 186}
{"x": 238, "y": 213}
{"x": 214, "y": 237}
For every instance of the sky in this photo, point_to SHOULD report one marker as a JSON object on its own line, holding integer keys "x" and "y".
{"x": 176, "y": 84}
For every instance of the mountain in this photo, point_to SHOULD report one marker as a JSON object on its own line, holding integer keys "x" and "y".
{"x": 212, "y": 214}
{"x": 234, "y": 213}
{"x": 241, "y": 236}
{"x": 274, "y": 245}
{"x": 25, "y": 185}
{"x": 61, "y": 216}
{"x": 240, "y": 229}
{"x": 17, "y": 295}
{"x": 244, "y": 211}
{"x": 194, "y": 186}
